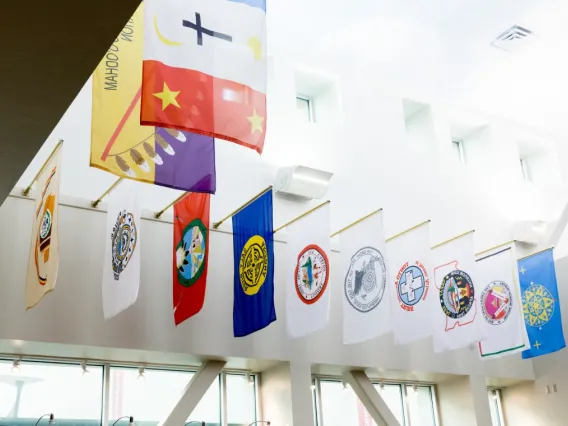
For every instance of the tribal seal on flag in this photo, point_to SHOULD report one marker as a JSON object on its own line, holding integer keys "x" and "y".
{"x": 253, "y": 265}
{"x": 412, "y": 285}
{"x": 311, "y": 274}
{"x": 364, "y": 283}
{"x": 123, "y": 239}
{"x": 496, "y": 302}
{"x": 538, "y": 305}
{"x": 457, "y": 294}
{"x": 190, "y": 253}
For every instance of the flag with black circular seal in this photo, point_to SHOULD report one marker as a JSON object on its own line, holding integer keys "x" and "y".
{"x": 121, "y": 269}
{"x": 191, "y": 254}
{"x": 366, "y": 309}
{"x": 458, "y": 311}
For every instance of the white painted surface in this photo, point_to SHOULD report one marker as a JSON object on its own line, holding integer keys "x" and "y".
{"x": 455, "y": 403}
{"x": 276, "y": 395}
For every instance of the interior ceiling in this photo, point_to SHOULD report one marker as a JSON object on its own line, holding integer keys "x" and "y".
{"x": 49, "y": 49}
{"x": 439, "y": 49}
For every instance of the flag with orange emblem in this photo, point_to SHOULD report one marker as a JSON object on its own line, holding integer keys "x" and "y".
{"x": 43, "y": 263}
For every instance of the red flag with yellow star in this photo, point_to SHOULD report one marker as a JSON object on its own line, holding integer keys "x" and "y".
{"x": 205, "y": 68}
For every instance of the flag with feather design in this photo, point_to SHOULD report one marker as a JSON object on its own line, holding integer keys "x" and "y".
{"x": 120, "y": 145}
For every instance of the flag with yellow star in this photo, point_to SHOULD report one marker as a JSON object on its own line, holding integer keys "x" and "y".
{"x": 205, "y": 68}
{"x": 541, "y": 305}
{"x": 120, "y": 145}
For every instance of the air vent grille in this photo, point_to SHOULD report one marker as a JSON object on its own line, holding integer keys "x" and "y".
{"x": 512, "y": 39}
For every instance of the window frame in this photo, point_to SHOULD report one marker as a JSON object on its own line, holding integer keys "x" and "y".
{"x": 106, "y": 380}
{"x": 403, "y": 385}
{"x": 310, "y": 101}
{"x": 460, "y": 148}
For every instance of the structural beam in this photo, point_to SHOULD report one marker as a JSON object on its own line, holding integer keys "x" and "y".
{"x": 193, "y": 393}
{"x": 370, "y": 398}
{"x": 478, "y": 388}
{"x": 302, "y": 397}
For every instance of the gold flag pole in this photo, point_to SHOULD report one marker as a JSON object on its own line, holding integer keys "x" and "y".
{"x": 301, "y": 216}
{"x": 161, "y": 212}
{"x": 406, "y": 231}
{"x": 96, "y": 203}
{"x": 26, "y": 191}
{"x": 358, "y": 221}
{"x": 538, "y": 252}
{"x": 453, "y": 239}
{"x": 496, "y": 247}
{"x": 252, "y": 200}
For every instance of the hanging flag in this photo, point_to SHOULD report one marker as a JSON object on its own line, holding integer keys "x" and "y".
{"x": 191, "y": 254}
{"x": 43, "y": 263}
{"x": 253, "y": 251}
{"x": 121, "y": 270}
{"x": 501, "y": 305}
{"x": 307, "y": 293}
{"x": 120, "y": 145}
{"x": 366, "y": 308}
{"x": 541, "y": 306}
{"x": 459, "y": 314}
{"x": 414, "y": 301}
{"x": 205, "y": 68}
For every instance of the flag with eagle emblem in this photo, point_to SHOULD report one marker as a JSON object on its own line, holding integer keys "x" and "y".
{"x": 205, "y": 68}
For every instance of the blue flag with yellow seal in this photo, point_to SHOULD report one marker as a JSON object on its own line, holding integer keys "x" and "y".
{"x": 541, "y": 306}
{"x": 253, "y": 251}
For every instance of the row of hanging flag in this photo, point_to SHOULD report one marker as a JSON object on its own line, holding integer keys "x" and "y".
{"x": 161, "y": 94}
{"x": 177, "y": 76}
{"x": 400, "y": 285}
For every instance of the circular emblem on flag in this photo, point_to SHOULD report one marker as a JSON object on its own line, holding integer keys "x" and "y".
{"x": 45, "y": 226}
{"x": 190, "y": 253}
{"x": 123, "y": 239}
{"x": 457, "y": 294}
{"x": 366, "y": 279}
{"x": 253, "y": 266}
{"x": 312, "y": 274}
{"x": 538, "y": 305}
{"x": 412, "y": 284}
{"x": 496, "y": 302}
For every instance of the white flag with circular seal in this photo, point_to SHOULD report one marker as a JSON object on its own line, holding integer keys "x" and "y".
{"x": 501, "y": 304}
{"x": 366, "y": 309}
{"x": 458, "y": 320}
{"x": 412, "y": 293}
{"x": 121, "y": 270}
{"x": 307, "y": 284}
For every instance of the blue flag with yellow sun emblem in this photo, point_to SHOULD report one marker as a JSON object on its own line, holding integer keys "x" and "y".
{"x": 541, "y": 307}
{"x": 253, "y": 251}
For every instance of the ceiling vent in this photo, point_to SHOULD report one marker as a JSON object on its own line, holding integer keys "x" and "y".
{"x": 513, "y": 39}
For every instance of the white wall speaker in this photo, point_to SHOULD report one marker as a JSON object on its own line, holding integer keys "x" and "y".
{"x": 302, "y": 182}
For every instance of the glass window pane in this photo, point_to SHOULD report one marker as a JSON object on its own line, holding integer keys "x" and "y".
{"x": 40, "y": 388}
{"x": 303, "y": 109}
{"x": 420, "y": 406}
{"x": 392, "y": 395}
{"x": 151, "y": 398}
{"x": 339, "y": 405}
{"x": 494, "y": 407}
{"x": 241, "y": 399}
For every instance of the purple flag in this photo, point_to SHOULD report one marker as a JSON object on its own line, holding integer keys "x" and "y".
{"x": 188, "y": 162}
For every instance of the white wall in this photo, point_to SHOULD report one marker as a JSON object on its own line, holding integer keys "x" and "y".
{"x": 73, "y": 314}
{"x": 276, "y": 395}
{"x": 455, "y": 403}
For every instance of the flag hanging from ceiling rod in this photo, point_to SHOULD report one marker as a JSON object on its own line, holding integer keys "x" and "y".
{"x": 205, "y": 68}
{"x": 120, "y": 145}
